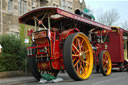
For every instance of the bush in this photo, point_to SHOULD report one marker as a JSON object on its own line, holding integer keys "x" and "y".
{"x": 13, "y": 53}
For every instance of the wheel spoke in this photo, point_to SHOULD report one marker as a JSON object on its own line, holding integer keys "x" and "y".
{"x": 105, "y": 65}
{"x": 78, "y": 42}
{"x": 78, "y": 70}
{"x": 105, "y": 57}
{"x": 75, "y": 55}
{"x": 75, "y": 48}
{"x": 104, "y": 60}
{"x": 81, "y": 43}
{"x": 76, "y": 63}
{"x": 85, "y": 62}
{"x": 86, "y": 51}
{"x": 74, "y": 59}
{"x": 82, "y": 68}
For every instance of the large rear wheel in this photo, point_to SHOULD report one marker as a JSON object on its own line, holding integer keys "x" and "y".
{"x": 33, "y": 65}
{"x": 105, "y": 63}
{"x": 78, "y": 56}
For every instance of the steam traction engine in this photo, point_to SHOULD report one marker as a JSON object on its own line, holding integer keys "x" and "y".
{"x": 61, "y": 41}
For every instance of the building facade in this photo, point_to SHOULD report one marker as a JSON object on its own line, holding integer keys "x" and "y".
{"x": 10, "y": 10}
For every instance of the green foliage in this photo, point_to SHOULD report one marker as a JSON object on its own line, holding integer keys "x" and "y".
{"x": 22, "y": 32}
{"x": 13, "y": 53}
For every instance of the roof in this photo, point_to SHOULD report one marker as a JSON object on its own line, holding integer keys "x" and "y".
{"x": 119, "y": 28}
{"x": 68, "y": 17}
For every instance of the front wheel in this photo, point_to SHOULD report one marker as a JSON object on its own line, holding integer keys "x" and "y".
{"x": 78, "y": 56}
{"x": 105, "y": 63}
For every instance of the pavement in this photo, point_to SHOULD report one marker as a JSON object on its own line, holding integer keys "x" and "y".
{"x": 12, "y": 80}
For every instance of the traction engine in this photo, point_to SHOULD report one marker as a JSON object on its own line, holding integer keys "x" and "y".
{"x": 60, "y": 41}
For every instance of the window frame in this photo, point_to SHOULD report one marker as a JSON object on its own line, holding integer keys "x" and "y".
{"x": 10, "y": 6}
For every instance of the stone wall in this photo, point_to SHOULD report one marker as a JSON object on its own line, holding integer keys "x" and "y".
{"x": 10, "y": 23}
{"x": 11, "y": 74}
{"x": 10, "y": 19}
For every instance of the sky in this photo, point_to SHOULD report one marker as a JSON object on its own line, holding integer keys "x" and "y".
{"x": 104, "y": 5}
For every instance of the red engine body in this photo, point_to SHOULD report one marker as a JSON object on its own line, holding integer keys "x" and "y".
{"x": 49, "y": 46}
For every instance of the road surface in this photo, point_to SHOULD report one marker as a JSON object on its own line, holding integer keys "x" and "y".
{"x": 116, "y": 78}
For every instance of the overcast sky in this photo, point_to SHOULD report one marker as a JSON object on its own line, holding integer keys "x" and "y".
{"x": 120, "y": 5}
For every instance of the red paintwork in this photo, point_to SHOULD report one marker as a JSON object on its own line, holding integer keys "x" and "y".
{"x": 29, "y": 33}
{"x": 115, "y": 46}
{"x": 44, "y": 66}
{"x": 66, "y": 33}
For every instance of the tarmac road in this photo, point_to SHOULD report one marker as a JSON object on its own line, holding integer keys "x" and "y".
{"x": 116, "y": 78}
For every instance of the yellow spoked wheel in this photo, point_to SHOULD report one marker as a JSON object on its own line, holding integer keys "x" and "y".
{"x": 78, "y": 56}
{"x": 105, "y": 63}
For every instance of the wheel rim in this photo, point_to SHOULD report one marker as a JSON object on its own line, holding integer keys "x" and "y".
{"x": 107, "y": 65}
{"x": 82, "y": 58}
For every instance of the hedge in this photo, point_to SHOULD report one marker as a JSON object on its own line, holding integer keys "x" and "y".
{"x": 13, "y": 53}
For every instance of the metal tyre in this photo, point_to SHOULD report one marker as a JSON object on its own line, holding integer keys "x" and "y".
{"x": 78, "y": 56}
{"x": 105, "y": 63}
{"x": 33, "y": 66}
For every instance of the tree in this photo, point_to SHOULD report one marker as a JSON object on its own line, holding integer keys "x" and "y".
{"x": 108, "y": 17}
{"x": 125, "y": 25}
{"x": 22, "y": 32}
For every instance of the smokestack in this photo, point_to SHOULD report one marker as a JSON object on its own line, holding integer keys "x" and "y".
{"x": 82, "y": 13}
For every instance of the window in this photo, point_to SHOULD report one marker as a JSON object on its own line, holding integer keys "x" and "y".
{"x": 55, "y": 5}
{"x": 67, "y": 5}
{"x": 63, "y": 4}
{"x": 10, "y": 5}
{"x": 22, "y": 7}
{"x": 34, "y": 4}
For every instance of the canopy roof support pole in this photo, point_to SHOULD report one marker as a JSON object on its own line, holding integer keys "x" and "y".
{"x": 49, "y": 23}
{"x": 35, "y": 25}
